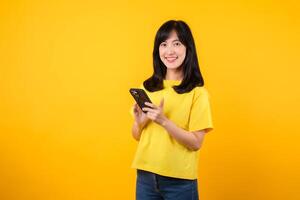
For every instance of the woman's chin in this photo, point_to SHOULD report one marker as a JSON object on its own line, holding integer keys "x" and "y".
{"x": 172, "y": 66}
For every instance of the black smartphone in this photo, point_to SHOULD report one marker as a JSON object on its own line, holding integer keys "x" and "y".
{"x": 140, "y": 97}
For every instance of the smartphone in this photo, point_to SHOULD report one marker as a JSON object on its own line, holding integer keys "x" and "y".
{"x": 140, "y": 97}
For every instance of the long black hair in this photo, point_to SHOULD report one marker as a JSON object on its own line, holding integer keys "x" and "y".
{"x": 192, "y": 75}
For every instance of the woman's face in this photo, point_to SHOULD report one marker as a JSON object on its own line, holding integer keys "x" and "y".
{"x": 172, "y": 52}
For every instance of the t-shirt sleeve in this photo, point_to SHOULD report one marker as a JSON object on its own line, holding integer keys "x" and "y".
{"x": 200, "y": 114}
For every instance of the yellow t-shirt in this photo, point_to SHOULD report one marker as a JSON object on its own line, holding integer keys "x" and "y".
{"x": 157, "y": 150}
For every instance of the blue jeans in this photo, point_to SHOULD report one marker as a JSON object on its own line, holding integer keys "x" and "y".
{"x": 151, "y": 186}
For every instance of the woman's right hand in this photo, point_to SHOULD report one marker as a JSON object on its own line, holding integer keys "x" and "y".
{"x": 140, "y": 117}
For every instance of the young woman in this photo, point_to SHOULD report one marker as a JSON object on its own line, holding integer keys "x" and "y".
{"x": 173, "y": 128}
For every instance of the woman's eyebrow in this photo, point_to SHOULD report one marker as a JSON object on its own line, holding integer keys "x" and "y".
{"x": 173, "y": 40}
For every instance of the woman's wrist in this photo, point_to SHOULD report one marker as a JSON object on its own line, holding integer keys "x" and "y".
{"x": 164, "y": 122}
{"x": 139, "y": 125}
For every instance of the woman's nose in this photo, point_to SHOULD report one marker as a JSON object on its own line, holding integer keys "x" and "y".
{"x": 170, "y": 50}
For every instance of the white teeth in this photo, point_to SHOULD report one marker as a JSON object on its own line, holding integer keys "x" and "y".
{"x": 171, "y": 59}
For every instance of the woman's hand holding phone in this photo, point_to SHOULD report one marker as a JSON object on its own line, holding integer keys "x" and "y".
{"x": 156, "y": 113}
{"x": 140, "y": 117}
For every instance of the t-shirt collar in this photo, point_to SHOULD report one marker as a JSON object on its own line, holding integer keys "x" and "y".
{"x": 170, "y": 83}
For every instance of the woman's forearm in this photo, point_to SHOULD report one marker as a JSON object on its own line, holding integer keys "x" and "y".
{"x": 184, "y": 137}
{"x": 137, "y": 130}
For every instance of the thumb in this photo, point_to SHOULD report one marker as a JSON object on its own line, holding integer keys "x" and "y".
{"x": 162, "y": 103}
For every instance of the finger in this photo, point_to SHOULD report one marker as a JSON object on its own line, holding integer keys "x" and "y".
{"x": 150, "y": 104}
{"x": 148, "y": 109}
{"x": 150, "y": 116}
{"x": 152, "y": 112}
{"x": 138, "y": 107}
{"x": 161, "y": 105}
{"x": 136, "y": 111}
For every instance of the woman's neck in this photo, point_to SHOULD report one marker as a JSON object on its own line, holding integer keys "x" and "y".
{"x": 174, "y": 74}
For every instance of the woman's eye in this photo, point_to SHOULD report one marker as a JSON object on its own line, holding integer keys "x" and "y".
{"x": 163, "y": 44}
{"x": 177, "y": 44}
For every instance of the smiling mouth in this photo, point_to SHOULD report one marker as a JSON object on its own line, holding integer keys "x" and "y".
{"x": 171, "y": 59}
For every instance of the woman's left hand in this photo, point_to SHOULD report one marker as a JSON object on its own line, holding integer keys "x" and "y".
{"x": 156, "y": 113}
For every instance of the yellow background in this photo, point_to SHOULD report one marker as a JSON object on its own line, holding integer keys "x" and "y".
{"x": 67, "y": 66}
